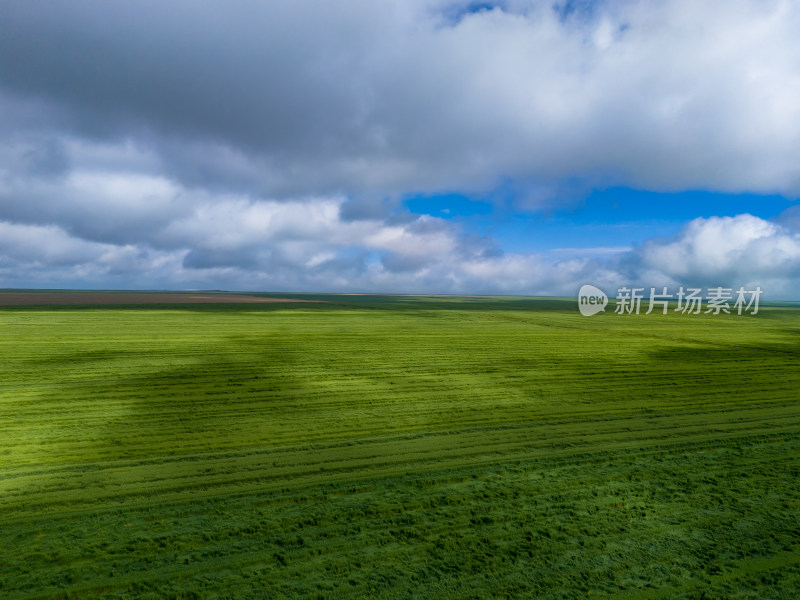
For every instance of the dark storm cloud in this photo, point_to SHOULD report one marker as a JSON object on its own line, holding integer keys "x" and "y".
{"x": 317, "y": 97}
{"x": 277, "y": 81}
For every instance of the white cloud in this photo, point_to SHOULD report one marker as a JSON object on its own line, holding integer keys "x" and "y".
{"x": 264, "y": 145}
{"x": 741, "y": 250}
{"x": 44, "y": 245}
{"x": 301, "y": 245}
{"x": 47, "y": 256}
{"x": 307, "y": 246}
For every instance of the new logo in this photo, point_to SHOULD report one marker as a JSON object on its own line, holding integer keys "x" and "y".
{"x": 591, "y": 300}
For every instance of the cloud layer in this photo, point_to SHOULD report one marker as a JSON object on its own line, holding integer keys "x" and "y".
{"x": 266, "y": 145}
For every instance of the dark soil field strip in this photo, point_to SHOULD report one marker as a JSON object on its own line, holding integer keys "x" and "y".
{"x": 131, "y": 298}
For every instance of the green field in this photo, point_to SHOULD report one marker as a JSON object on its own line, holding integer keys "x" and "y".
{"x": 391, "y": 447}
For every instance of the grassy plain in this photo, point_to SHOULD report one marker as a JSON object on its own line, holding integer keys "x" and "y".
{"x": 398, "y": 447}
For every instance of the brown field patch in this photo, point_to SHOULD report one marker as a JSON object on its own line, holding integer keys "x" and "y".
{"x": 103, "y": 298}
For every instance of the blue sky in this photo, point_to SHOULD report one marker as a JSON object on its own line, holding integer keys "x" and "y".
{"x": 422, "y": 146}
{"x": 608, "y": 218}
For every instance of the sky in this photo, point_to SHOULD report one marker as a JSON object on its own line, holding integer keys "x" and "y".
{"x": 403, "y": 146}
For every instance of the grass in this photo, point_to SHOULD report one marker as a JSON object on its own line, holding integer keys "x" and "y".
{"x": 394, "y": 447}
